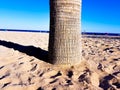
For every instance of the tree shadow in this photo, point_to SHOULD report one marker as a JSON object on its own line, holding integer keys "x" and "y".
{"x": 29, "y": 50}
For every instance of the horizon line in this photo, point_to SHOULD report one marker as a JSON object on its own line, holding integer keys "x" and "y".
{"x": 83, "y": 32}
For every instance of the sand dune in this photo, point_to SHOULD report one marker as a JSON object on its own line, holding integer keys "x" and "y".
{"x": 24, "y": 65}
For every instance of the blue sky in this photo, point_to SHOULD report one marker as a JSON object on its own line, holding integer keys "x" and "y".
{"x": 97, "y": 15}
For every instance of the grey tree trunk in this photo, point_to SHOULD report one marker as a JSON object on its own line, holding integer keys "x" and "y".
{"x": 65, "y": 32}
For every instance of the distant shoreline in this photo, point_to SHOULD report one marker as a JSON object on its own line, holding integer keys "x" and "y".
{"x": 88, "y": 34}
{"x": 17, "y": 30}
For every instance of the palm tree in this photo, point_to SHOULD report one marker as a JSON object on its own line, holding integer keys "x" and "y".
{"x": 64, "y": 38}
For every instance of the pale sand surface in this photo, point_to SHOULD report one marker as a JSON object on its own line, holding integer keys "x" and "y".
{"x": 23, "y": 66}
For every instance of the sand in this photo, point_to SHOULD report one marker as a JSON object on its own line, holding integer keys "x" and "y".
{"x": 24, "y": 65}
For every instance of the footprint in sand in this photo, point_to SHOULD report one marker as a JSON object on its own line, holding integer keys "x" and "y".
{"x": 41, "y": 74}
{"x": 110, "y": 82}
{"x": 69, "y": 82}
{"x": 21, "y": 63}
{"x": 108, "y": 50}
{"x": 116, "y": 59}
{"x": 1, "y": 67}
{"x": 58, "y": 74}
{"x": 85, "y": 77}
{"x": 20, "y": 58}
{"x": 6, "y": 84}
{"x": 53, "y": 81}
{"x": 4, "y": 76}
{"x": 40, "y": 88}
{"x": 34, "y": 67}
{"x": 70, "y": 74}
{"x": 32, "y": 60}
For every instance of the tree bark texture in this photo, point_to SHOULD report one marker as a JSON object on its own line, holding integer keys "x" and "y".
{"x": 65, "y": 32}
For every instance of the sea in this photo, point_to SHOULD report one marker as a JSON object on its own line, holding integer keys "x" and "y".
{"x": 46, "y": 31}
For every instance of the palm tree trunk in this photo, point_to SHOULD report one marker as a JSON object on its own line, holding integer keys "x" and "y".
{"x": 64, "y": 38}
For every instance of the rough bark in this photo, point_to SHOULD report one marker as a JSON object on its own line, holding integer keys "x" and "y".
{"x": 65, "y": 30}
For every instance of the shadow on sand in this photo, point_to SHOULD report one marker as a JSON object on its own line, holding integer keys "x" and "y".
{"x": 29, "y": 50}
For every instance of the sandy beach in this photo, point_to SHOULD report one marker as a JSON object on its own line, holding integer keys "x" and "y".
{"x": 24, "y": 64}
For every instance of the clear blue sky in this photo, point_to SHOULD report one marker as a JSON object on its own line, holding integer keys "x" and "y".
{"x": 97, "y": 15}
